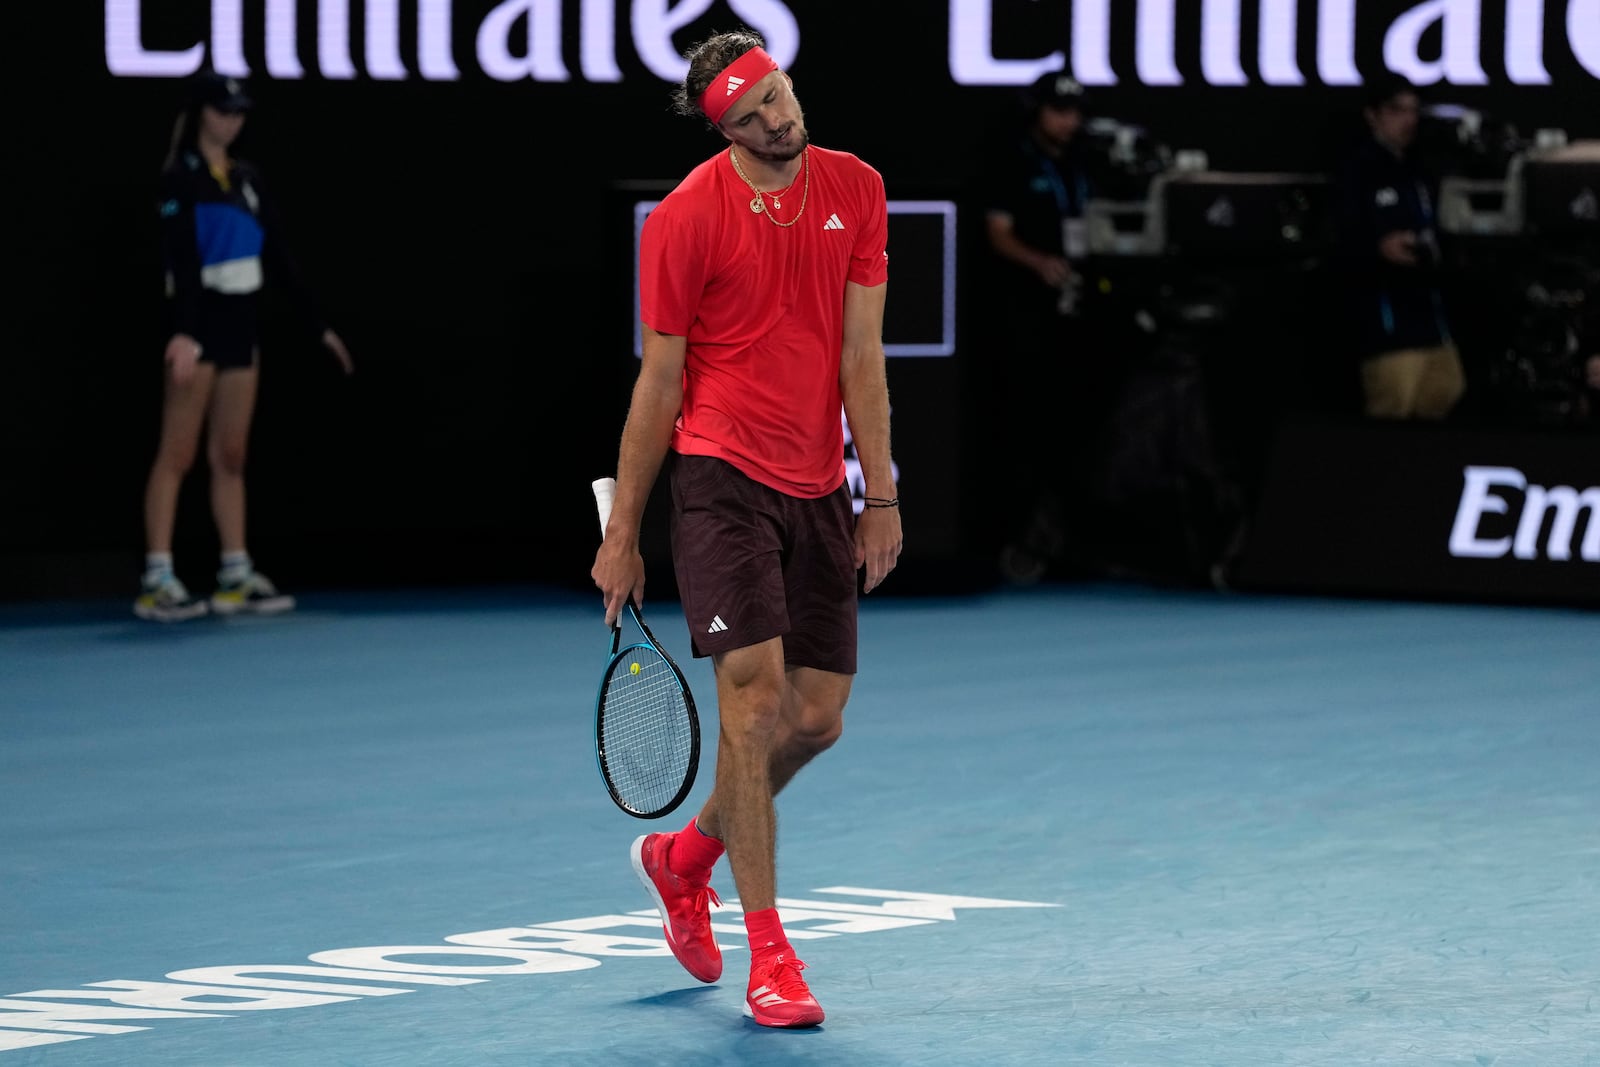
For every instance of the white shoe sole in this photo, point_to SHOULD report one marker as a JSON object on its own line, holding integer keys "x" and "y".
{"x": 804, "y": 1024}
{"x": 636, "y": 854}
{"x": 271, "y": 606}
{"x": 156, "y": 614}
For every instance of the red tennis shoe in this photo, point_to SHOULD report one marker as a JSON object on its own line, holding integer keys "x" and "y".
{"x": 778, "y": 996}
{"x": 685, "y": 907}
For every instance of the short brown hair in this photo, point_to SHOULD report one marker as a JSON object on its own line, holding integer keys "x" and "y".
{"x": 707, "y": 59}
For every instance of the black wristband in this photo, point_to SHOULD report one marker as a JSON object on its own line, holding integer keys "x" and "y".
{"x": 881, "y": 502}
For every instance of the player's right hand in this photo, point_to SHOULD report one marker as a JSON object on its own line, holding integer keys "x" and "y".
{"x": 618, "y": 573}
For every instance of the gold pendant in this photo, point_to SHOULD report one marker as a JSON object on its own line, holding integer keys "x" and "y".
{"x": 775, "y": 205}
{"x": 756, "y": 205}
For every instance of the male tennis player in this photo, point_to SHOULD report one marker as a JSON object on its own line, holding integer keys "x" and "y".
{"x": 762, "y": 293}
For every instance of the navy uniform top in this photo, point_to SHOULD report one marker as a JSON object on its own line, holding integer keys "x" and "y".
{"x": 1390, "y": 306}
{"x": 220, "y": 238}
{"x": 1039, "y": 193}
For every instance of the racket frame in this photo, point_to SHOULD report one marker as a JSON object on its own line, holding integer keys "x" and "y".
{"x": 618, "y": 654}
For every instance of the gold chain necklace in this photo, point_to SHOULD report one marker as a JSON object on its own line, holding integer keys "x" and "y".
{"x": 776, "y": 203}
{"x": 759, "y": 206}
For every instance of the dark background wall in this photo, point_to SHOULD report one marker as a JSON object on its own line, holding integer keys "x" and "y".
{"x": 464, "y": 237}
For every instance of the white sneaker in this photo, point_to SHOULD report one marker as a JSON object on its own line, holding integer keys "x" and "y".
{"x": 167, "y": 601}
{"x": 255, "y": 595}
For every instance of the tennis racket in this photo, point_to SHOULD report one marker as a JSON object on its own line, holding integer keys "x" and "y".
{"x": 646, "y": 729}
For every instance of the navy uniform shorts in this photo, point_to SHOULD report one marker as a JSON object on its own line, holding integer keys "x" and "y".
{"x": 753, "y": 564}
{"x": 227, "y": 328}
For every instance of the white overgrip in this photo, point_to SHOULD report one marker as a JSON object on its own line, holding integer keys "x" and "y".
{"x": 605, "y": 490}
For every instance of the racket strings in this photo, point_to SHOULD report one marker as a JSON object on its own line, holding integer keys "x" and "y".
{"x": 646, "y": 738}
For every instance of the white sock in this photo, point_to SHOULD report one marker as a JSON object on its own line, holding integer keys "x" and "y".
{"x": 236, "y": 567}
{"x": 157, "y": 565}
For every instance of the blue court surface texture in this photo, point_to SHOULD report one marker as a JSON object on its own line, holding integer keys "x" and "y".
{"x": 1095, "y": 824}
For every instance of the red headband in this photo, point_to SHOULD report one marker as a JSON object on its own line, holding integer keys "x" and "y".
{"x": 727, "y": 87}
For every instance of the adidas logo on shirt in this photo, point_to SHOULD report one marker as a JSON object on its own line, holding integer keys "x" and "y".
{"x": 717, "y": 625}
{"x": 833, "y": 223}
{"x": 733, "y": 84}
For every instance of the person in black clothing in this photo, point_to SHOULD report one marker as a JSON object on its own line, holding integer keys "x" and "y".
{"x": 219, "y": 244}
{"x": 1589, "y": 345}
{"x": 1410, "y": 368}
{"x": 1033, "y": 196}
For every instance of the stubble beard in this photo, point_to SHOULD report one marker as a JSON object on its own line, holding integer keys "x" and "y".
{"x": 783, "y": 154}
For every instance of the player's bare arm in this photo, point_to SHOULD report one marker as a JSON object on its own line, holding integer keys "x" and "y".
{"x": 657, "y": 397}
{"x": 863, "y": 380}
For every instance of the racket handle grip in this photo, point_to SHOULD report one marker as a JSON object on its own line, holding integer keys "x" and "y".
{"x": 605, "y": 490}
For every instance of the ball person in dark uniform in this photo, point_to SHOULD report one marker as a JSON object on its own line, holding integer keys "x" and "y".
{"x": 220, "y": 244}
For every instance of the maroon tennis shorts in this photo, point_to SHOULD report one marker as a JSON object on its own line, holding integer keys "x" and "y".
{"x": 753, "y": 564}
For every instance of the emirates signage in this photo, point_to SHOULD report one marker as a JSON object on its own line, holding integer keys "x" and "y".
{"x": 1459, "y": 42}
{"x": 1430, "y": 510}
{"x": 1558, "y": 523}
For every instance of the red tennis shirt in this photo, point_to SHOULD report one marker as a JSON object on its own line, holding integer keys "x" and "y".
{"x": 762, "y": 309}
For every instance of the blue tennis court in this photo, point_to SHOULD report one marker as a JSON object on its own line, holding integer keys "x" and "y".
{"x": 1096, "y": 824}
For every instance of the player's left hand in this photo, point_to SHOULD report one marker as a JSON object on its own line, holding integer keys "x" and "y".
{"x": 878, "y": 544}
{"x": 335, "y": 344}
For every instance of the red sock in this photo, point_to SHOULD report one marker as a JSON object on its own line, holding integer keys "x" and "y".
{"x": 764, "y": 930}
{"x": 694, "y": 853}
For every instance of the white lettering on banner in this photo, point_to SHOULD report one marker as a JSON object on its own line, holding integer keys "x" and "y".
{"x": 1583, "y": 32}
{"x": 227, "y": 36}
{"x": 126, "y": 55}
{"x": 540, "y": 58}
{"x": 523, "y": 40}
{"x": 1157, "y": 42}
{"x": 1525, "y": 45}
{"x": 1564, "y": 505}
{"x": 1336, "y": 43}
{"x": 517, "y": 40}
{"x": 333, "y": 43}
{"x": 1219, "y": 44}
{"x": 1278, "y": 24}
{"x": 283, "y": 56}
{"x": 434, "y": 58}
{"x": 972, "y": 60}
{"x": 1460, "y": 22}
{"x": 1221, "y": 36}
{"x": 382, "y": 33}
{"x": 38, "y": 1018}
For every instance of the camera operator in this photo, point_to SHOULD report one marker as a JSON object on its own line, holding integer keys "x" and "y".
{"x": 1410, "y": 368}
{"x": 1032, "y": 191}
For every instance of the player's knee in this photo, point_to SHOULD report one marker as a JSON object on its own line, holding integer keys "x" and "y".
{"x": 812, "y": 744}
{"x": 227, "y": 456}
{"x": 749, "y": 713}
{"x": 176, "y": 460}
{"x": 814, "y": 733}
